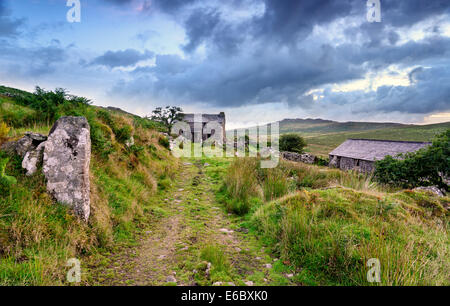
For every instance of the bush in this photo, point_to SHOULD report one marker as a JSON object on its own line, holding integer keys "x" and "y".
{"x": 425, "y": 167}
{"x": 164, "y": 141}
{"x": 292, "y": 143}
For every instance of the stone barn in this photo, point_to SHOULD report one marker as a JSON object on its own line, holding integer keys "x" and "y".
{"x": 361, "y": 154}
{"x": 200, "y": 136}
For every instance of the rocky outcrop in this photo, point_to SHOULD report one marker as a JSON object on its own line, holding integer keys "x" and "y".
{"x": 66, "y": 163}
{"x": 296, "y": 157}
{"x": 27, "y": 143}
{"x": 33, "y": 159}
{"x": 433, "y": 189}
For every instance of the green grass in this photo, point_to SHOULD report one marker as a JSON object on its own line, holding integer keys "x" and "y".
{"x": 37, "y": 235}
{"x": 326, "y": 236}
{"x": 331, "y": 234}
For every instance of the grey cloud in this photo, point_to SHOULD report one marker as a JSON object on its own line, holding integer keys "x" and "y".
{"x": 33, "y": 62}
{"x": 125, "y": 58}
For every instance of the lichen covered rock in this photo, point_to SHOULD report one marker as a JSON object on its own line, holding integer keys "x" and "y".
{"x": 67, "y": 156}
{"x": 27, "y": 143}
{"x": 33, "y": 159}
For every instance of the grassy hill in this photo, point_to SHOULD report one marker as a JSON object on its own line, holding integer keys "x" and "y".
{"x": 211, "y": 220}
{"x": 318, "y": 126}
{"x": 37, "y": 236}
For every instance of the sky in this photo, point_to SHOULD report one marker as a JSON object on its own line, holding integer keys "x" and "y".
{"x": 258, "y": 61}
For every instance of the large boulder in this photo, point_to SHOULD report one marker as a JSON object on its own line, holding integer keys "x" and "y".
{"x": 67, "y": 157}
{"x": 27, "y": 143}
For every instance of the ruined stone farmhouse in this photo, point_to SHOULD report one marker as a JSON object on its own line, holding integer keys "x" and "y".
{"x": 361, "y": 154}
{"x": 199, "y": 128}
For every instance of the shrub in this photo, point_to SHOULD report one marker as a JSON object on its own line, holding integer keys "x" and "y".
{"x": 425, "y": 167}
{"x": 292, "y": 143}
{"x": 164, "y": 141}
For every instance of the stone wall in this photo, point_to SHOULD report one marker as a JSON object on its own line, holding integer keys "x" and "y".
{"x": 296, "y": 157}
{"x": 347, "y": 163}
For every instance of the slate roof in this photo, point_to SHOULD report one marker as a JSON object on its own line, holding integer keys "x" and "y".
{"x": 371, "y": 149}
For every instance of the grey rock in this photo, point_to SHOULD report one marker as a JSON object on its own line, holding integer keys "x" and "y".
{"x": 218, "y": 284}
{"x": 433, "y": 189}
{"x": 67, "y": 157}
{"x": 27, "y": 143}
{"x": 303, "y": 158}
{"x": 171, "y": 279}
{"x": 33, "y": 159}
{"x": 249, "y": 283}
{"x": 268, "y": 266}
{"x": 130, "y": 142}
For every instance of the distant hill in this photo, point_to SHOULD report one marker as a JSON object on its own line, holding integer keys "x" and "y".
{"x": 328, "y": 126}
{"x": 323, "y": 136}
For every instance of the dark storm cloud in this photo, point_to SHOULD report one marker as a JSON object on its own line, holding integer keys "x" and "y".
{"x": 403, "y": 13}
{"x": 118, "y": 2}
{"x": 125, "y": 58}
{"x": 272, "y": 58}
{"x": 171, "y": 6}
{"x": 199, "y": 26}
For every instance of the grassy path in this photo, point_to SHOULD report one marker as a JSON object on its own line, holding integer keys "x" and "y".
{"x": 194, "y": 242}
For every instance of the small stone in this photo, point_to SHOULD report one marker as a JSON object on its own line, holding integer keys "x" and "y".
{"x": 290, "y": 275}
{"x": 231, "y": 284}
{"x": 224, "y": 230}
{"x": 171, "y": 279}
{"x": 181, "y": 189}
{"x": 206, "y": 165}
{"x": 275, "y": 259}
{"x": 265, "y": 280}
{"x": 268, "y": 266}
{"x": 218, "y": 284}
{"x": 258, "y": 258}
{"x": 249, "y": 283}
{"x": 195, "y": 271}
{"x": 238, "y": 249}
